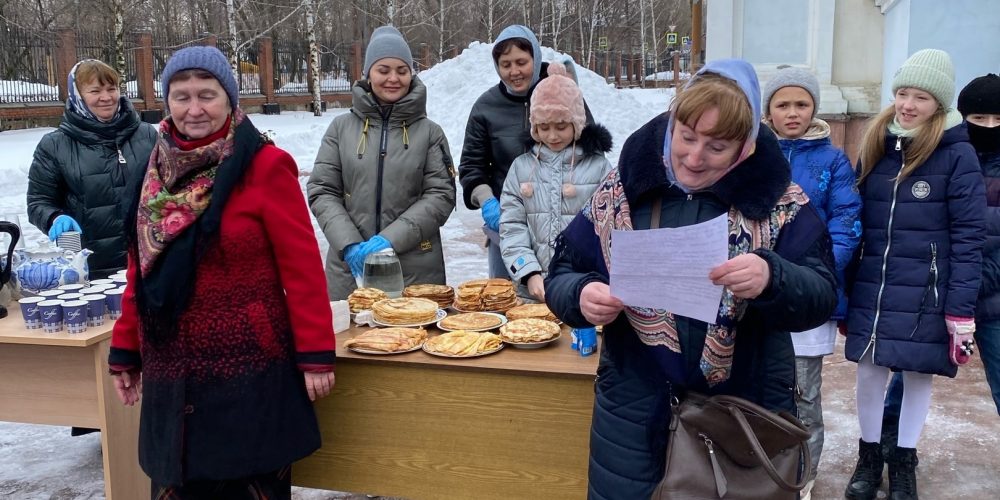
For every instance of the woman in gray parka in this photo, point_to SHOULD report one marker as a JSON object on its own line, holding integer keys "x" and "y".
{"x": 384, "y": 176}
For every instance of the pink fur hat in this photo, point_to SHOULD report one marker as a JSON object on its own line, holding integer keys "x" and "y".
{"x": 556, "y": 99}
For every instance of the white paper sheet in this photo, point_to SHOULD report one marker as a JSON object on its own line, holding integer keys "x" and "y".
{"x": 668, "y": 268}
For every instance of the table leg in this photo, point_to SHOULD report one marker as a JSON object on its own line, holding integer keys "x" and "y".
{"x": 123, "y": 478}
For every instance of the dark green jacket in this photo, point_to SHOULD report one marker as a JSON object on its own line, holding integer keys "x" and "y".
{"x": 82, "y": 170}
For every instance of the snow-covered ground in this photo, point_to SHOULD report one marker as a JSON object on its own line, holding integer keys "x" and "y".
{"x": 42, "y": 462}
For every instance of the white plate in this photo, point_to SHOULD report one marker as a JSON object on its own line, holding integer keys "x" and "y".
{"x": 383, "y": 353}
{"x": 441, "y": 314}
{"x": 501, "y": 317}
{"x": 531, "y": 345}
{"x": 478, "y": 354}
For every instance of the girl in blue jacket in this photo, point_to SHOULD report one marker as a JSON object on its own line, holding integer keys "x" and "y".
{"x": 824, "y": 172}
{"x": 914, "y": 294}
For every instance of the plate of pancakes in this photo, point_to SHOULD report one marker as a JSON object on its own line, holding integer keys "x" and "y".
{"x": 486, "y": 295}
{"x": 444, "y": 295}
{"x": 537, "y": 311}
{"x": 407, "y": 312}
{"x": 463, "y": 344}
{"x": 530, "y": 333}
{"x": 391, "y": 340}
{"x": 473, "y": 322}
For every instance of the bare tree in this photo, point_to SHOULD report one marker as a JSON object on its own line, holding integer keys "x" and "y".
{"x": 313, "y": 57}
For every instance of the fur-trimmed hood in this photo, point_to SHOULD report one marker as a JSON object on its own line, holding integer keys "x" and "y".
{"x": 595, "y": 139}
{"x": 753, "y": 187}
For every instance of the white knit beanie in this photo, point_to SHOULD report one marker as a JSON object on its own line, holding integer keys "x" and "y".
{"x": 929, "y": 70}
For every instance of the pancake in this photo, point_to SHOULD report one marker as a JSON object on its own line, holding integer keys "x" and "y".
{"x": 471, "y": 321}
{"x": 528, "y": 330}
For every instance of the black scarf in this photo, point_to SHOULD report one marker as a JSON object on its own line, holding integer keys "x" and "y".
{"x": 165, "y": 292}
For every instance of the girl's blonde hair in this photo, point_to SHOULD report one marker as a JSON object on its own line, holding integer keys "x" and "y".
{"x": 709, "y": 91}
{"x": 918, "y": 149}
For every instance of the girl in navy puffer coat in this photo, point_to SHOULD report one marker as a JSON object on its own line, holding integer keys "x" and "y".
{"x": 919, "y": 271}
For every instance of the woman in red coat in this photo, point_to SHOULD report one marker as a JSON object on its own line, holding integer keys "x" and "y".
{"x": 225, "y": 315}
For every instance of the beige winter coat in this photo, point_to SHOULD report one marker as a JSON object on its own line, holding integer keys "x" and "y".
{"x": 392, "y": 177}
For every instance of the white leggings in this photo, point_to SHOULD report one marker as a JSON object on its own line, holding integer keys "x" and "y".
{"x": 872, "y": 381}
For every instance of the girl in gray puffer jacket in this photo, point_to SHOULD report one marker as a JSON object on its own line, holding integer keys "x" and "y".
{"x": 547, "y": 186}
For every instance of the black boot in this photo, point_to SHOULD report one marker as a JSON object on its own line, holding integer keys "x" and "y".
{"x": 890, "y": 433}
{"x": 867, "y": 475}
{"x": 903, "y": 474}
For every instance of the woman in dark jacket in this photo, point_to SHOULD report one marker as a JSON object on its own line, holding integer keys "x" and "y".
{"x": 80, "y": 172}
{"x": 494, "y": 134}
{"x": 226, "y": 331}
{"x": 913, "y": 297}
{"x": 716, "y": 164}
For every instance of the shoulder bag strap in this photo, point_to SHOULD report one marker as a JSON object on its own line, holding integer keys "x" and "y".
{"x": 762, "y": 455}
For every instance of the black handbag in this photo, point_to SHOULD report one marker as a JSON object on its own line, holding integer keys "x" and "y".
{"x": 725, "y": 447}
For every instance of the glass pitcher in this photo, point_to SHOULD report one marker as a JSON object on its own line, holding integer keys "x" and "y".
{"x": 382, "y": 271}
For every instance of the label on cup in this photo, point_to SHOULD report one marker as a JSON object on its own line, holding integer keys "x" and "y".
{"x": 51, "y": 315}
{"x": 30, "y": 312}
{"x": 75, "y": 316}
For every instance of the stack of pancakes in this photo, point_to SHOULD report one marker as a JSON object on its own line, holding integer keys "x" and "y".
{"x": 538, "y": 311}
{"x": 463, "y": 343}
{"x": 528, "y": 330}
{"x": 471, "y": 321}
{"x": 486, "y": 295}
{"x": 444, "y": 295}
{"x": 388, "y": 339}
{"x": 361, "y": 299}
{"x": 405, "y": 311}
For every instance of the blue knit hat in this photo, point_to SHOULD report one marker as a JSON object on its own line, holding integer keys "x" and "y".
{"x": 209, "y": 59}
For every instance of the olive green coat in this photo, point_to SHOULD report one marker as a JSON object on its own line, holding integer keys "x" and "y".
{"x": 390, "y": 176}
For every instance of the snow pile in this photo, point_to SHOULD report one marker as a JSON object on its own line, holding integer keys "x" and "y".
{"x": 325, "y": 85}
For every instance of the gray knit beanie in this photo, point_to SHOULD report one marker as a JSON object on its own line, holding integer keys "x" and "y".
{"x": 788, "y": 76}
{"x": 929, "y": 70}
{"x": 209, "y": 59}
{"x": 386, "y": 41}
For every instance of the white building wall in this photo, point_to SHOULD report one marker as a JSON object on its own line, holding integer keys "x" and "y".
{"x": 968, "y": 30}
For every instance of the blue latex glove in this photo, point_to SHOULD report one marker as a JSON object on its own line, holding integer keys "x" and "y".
{"x": 375, "y": 244}
{"x": 62, "y": 224}
{"x": 354, "y": 258}
{"x": 491, "y": 214}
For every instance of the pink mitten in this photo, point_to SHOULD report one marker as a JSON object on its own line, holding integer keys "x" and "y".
{"x": 960, "y": 330}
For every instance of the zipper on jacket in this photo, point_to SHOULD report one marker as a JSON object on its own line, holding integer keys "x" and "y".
{"x": 934, "y": 272}
{"x": 121, "y": 157}
{"x": 885, "y": 254}
{"x": 382, "y": 147}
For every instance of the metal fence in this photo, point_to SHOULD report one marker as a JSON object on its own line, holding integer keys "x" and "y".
{"x": 28, "y": 67}
{"x": 101, "y": 46}
{"x": 247, "y": 67}
{"x": 291, "y": 68}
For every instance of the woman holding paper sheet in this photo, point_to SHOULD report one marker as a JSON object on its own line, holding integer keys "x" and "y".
{"x": 706, "y": 158}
